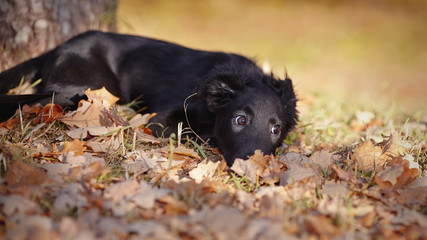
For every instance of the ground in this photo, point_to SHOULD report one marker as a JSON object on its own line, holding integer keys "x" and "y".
{"x": 97, "y": 173}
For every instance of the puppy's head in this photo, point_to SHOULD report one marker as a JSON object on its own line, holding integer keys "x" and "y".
{"x": 252, "y": 110}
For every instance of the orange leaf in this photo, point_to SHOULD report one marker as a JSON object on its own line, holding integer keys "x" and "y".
{"x": 101, "y": 95}
{"x": 75, "y": 146}
{"x": 50, "y": 113}
{"x": 87, "y": 114}
{"x": 367, "y": 156}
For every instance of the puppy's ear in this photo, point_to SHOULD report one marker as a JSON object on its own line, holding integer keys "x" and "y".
{"x": 284, "y": 88}
{"x": 286, "y": 92}
{"x": 216, "y": 93}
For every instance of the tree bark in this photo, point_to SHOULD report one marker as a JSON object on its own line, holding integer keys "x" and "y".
{"x": 31, "y": 27}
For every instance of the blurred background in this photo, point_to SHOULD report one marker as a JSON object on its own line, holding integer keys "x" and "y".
{"x": 367, "y": 53}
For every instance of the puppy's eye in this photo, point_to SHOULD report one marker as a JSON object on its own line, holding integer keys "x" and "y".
{"x": 241, "y": 120}
{"x": 276, "y": 129}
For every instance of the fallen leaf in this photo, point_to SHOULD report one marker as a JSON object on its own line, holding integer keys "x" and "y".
{"x": 265, "y": 166}
{"x": 72, "y": 195}
{"x": 297, "y": 173}
{"x": 87, "y": 114}
{"x": 145, "y": 137}
{"x": 322, "y": 158}
{"x": 49, "y": 113}
{"x": 225, "y": 223}
{"x": 24, "y": 174}
{"x": 204, "y": 171}
{"x": 180, "y": 153}
{"x": 336, "y": 189}
{"x": 294, "y": 157}
{"x": 396, "y": 175}
{"x": 101, "y": 95}
{"x": 85, "y": 174}
{"x": 76, "y": 146}
{"x": 140, "y": 120}
{"x": 56, "y": 171}
{"x": 173, "y": 206}
{"x": 321, "y": 226}
{"x": 15, "y": 204}
{"x": 368, "y": 156}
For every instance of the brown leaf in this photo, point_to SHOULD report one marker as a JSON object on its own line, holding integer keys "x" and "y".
{"x": 181, "y": 153}
{"x": 204, "y": 170}
{"x": 297, "y": 173}
{"x": 87, "y": 114}
{"x": 294, "y": 157}
{"x": 265, "y": 166}
{"x": 119, "y": 191}
{"x": 413, "y": 197}
{"x": 9, "y": 124}
{"x": 76, "y": 146}
{"x": 322, "y": 227}
{"x": 25, "y": 112}
{"x": 72, "y": 195}
{"x": 368, "y": 156}
{"x": 225, "y": 223}
{"x": 101, "y": 95}
{"x": 336, "y": 189}
{"x": 395, "y": 176}
{"x": 173, "y": 206}
{"x": 24, "y": 174}
{"x": 15, "y": 204}
{"x": 94, "y": 170}
{"x": 140, "y": 120}
{"x": 49, "y": 113}
{"x": 343, "y": 175}
{"x": 322, "y": 158}
{"x": 145, "y": 136}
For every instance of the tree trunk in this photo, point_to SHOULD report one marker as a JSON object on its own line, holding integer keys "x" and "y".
{"x": 30, "y": 27}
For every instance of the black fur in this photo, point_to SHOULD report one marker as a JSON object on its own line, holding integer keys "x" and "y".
{"x": 236, "y": 104}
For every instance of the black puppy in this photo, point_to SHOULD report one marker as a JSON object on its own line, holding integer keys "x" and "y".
{"x": 236, "y": 104}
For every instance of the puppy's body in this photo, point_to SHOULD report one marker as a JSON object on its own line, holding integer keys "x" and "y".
{"x": 164, "y": 74}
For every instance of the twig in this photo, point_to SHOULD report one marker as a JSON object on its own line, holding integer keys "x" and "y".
{"x": 186, "y": 117}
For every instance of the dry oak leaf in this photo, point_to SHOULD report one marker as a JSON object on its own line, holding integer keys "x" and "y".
{"x": 348, "y": 176}
{"x": 23, "y": 174}
{"x": 141, "y": 120}
{"x": 76, "y": 146}
{"x": 204, "y": 170}
{"x": 397, "y": 175}
{"x": 72, "y": 195}
{"x": 33, "y": 227}
{"x": 225, "y": 223}
{"x": 336, "y": 189}
{"x": 142, "y": 161}
{"x": 265, "y": 166}
{"x": 82, "y": 133}
{"x": 25, "y": 112}
{"x": 298, "y": 173}
{"x": 322, "y": 227}
{"x": 87, "y": 114}
{"x": 368, "y": 156}
{"x": 413, "y": 197}
{"x": 85, "y": 174}
{"x": 101, "y": 95}
{"x": 173, "y": 206}
{"x": 322, "y": 158}
{"x": 180, "y": 153}
{"x": 16, "y": 204}
{"x": 49, "y": 113}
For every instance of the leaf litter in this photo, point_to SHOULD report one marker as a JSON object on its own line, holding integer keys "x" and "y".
{"x": 93, "y": 173}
